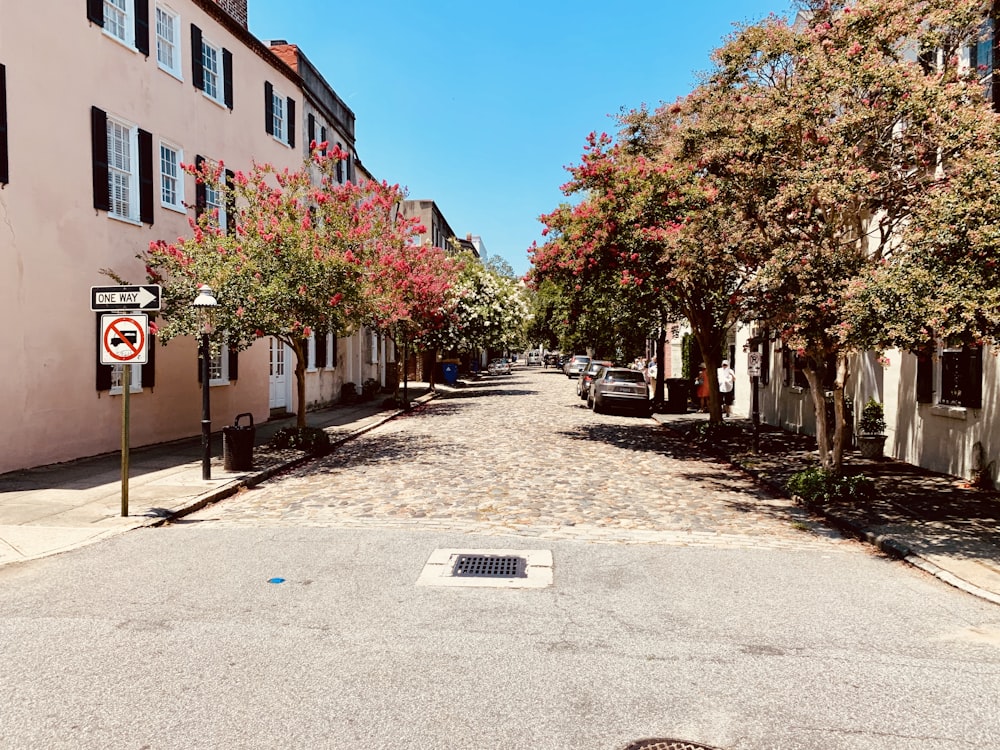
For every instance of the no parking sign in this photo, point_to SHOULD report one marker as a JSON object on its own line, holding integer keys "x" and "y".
{"x": 123, "y": 339}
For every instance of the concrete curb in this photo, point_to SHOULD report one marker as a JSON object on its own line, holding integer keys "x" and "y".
{"x": 252, "y": 480}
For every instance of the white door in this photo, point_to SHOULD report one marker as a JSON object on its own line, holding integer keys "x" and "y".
{"x": 277, "y": 386}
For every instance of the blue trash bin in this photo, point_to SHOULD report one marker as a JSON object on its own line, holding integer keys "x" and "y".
{"x": 450, "y": 372}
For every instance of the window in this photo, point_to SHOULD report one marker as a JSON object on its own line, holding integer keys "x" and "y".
{"x": 124, "y": 20}
{"x": 981, "y": 55}
{"x": 168, "y": 39}
{"x": 116, "y": 379}
{"x": 211, "y": 69}
{"x": 223, "y": 366}
{"x": 122, "y": 168}
{"x": 4, "y": 173}
{"x": 214, "y": 199}
{"x": 340, "y": 166}
{"x": 171, "y": 178}
{"x": 279, "y": 115}
{"x": 955, "y": 375}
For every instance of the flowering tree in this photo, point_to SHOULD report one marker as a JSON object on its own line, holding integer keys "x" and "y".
{"x": 825, "y": 137}
{"x": 488, "y": 309}
{"x": 283, "y": 259}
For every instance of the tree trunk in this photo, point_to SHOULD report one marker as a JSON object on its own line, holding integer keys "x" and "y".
{"x": 661, "y": 341}
{"x": 831, "y": 455}
{"x": 712, "y": 360}
{"x": 299, "y": 346}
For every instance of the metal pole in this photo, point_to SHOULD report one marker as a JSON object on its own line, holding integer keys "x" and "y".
{"x": 126, "y": 394}
{"x": 206, "y": 416}
{"x": 754, "y": 379}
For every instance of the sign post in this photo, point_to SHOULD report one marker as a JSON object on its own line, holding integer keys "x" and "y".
{"x": 123, "y": 341}
{"x": 753, "y": 368}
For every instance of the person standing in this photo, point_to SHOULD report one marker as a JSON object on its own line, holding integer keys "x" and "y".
{"x": 727, "y": 383}
{"x": 701, "y": 388}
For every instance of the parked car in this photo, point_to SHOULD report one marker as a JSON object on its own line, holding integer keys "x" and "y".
{"x": 499, "y": 366}
{"x": 619, "y": 388}
{"x": 577, "y": 364}
{"x": 583, "y": 384}
{"x": 534, "y": 358}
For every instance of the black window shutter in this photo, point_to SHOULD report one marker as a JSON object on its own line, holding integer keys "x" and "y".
{"x": 925, "y": 377}
{"x": 227, "y": 77}
{"x": 972, "y": 388}
{"x": 230, "y": 202}
{"x": 197, "y": 70}
{"x": 99, "y": 154}
{"x": 321, "y": 349}
{"x": 340, "y": 167}
{"x": 142, "y": 26}
{"x": 103, "y": 371}
{"x": 149, "y": 369}
{"x": 310, "y": 128}
{"x": 234, "y": 364}
{"x": 200, "y": 198}
{"x": 4, "y": 152}
{"x": 291, "y": 122}
{"x": 268, "y": 108}
{"x": 322, "y": 137}
{"x": 145, "y": 177}
{"x": 333, "y": 356}
{"x": 95, "y": 11}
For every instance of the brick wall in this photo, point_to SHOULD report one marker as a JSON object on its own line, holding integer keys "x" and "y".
{"x": 236, "y": 8}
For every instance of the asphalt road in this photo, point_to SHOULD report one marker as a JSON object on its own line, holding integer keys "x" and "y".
{"x": 685, "y": 604}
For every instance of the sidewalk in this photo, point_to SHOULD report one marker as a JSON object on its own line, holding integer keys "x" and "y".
{"x": 935, "y": 522}
{"x": 52, "y": 509}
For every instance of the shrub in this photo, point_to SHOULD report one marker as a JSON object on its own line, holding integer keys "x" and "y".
{"x": 816, "y": 484}
{"x": 872, "y": 420}
{"x": 312, "y": 440}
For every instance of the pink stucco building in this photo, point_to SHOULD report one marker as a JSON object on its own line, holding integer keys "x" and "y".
{"x": 92, "y": 136}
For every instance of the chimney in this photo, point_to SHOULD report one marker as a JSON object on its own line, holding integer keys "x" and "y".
{"x": 236, "y": 8}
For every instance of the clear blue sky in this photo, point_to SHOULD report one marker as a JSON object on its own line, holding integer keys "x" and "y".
{"x": 481, "y": 106}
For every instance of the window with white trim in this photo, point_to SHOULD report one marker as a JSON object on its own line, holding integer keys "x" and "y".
{"x": 118, "y": 19}
{"x": 278, "y": 124}
{"x": 950, "y": 375}
{"x": 171, "y": 177}
{"x": 168, "y": 40}
{"x": 215, "y": 201}
{"x": 218, "y": 366}
{"x": 211, "y": 66}
{"x": 123, "y": 170}
{"x": 116, "y": 379}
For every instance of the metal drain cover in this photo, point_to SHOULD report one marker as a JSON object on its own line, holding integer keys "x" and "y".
{"x": 661, "y": 744}
{"x": 496, "y": 568}
{"x": 506, "y": 566}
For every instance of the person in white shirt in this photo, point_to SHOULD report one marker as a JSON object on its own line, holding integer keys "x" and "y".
{"x": 727, "y": 382}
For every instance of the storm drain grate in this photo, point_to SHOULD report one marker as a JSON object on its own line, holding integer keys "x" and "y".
{"x": 494, "y": 568}
{"x": 490, "y": 566}
{"x": 660, "y": 744}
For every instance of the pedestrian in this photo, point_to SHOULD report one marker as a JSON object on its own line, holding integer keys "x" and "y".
{"x": 701, "y": 387}
{"x": 727, "y": 382}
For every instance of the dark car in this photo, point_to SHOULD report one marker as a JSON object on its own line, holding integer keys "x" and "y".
{"x": 619, "y": 388}
{"x": 583, "y": 384}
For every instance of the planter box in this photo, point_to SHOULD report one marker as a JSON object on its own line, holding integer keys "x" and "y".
{"x": 871, "y": 446}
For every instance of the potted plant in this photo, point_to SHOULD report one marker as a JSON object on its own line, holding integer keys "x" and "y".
{"x": 871, "y": 430}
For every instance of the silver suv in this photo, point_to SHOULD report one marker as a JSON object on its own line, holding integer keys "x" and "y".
{"x": 577, "y": 364}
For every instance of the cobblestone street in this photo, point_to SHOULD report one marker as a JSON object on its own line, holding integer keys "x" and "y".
{"x": 521, "y": 454}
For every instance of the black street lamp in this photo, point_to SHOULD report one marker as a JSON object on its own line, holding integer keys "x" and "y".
{"x": 204, "y": 305}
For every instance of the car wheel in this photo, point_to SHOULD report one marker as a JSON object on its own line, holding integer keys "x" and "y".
{"x": 598, "y": 408}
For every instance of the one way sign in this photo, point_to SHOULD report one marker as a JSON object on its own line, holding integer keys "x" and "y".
{"x": 125, "y": 297}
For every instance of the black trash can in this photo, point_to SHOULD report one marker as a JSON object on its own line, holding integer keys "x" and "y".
{"x": 677, "y": 395}
{"x": 237, "y": 445}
